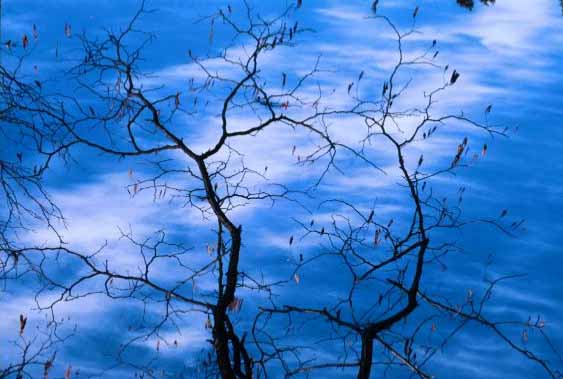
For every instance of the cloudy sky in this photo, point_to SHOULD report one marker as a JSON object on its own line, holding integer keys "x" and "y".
{"x": 509, "y": 55}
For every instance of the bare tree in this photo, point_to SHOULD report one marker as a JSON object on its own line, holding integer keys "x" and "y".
{"x": 28, "y": 151}
{"x": 128, "y": 112}
{"x": 386, "y": 259}
{"x": 383, "y": 309}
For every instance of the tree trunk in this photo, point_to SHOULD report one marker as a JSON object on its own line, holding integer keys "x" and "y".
{"x": 366, "y": 357}
{"x": 221, "y": 345}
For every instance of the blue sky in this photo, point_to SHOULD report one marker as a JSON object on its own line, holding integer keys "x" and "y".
{"x": 508, "y": 55}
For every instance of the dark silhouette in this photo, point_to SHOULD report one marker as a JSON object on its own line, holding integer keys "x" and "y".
{"x": 380, "y": 315}
{"x": 469, "y": 4}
